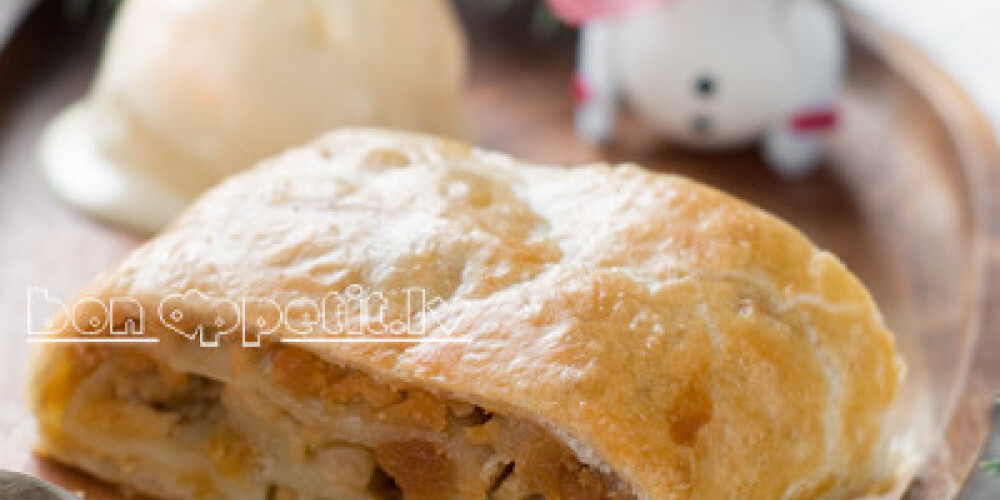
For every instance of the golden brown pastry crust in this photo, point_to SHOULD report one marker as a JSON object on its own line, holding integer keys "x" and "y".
{"x": 693, "y": 345}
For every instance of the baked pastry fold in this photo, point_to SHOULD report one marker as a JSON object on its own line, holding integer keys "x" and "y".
{"x": 585, "y": 333}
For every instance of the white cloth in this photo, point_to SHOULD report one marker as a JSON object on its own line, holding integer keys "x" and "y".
{"x": 962, "y": 36}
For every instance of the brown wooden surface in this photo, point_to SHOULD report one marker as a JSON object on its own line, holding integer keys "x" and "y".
{"x": 517, "y": 102}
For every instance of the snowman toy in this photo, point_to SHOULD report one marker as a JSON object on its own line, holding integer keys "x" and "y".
{"x": 712, "y": 74}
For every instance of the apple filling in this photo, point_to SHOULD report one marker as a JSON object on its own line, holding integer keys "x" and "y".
{"x": 300, "y": 428}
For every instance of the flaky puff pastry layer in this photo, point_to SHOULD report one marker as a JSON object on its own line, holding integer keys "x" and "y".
{"x": 686, "y": 342}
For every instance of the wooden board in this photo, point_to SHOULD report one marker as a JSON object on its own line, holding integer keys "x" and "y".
{"x": 911, "y": 149}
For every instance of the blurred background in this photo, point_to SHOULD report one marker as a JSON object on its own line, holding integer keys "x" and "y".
{"x": 907, "y": 195}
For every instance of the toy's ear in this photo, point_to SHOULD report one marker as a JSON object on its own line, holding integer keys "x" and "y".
{"x": 577, "y": 12}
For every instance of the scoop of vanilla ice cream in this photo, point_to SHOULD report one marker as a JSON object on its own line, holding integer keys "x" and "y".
{"x": 190, "y": 91}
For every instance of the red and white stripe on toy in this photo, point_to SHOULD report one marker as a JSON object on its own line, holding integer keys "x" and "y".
{"x": 577, "y": 12}
{"x": 579, "y": 89}
{"x": 814, "y": 120}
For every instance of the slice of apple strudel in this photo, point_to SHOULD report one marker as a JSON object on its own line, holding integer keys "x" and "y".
{"x": 390, "y": 316}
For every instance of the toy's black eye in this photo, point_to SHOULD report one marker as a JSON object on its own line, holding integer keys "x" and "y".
{"x": 705, "y": 86}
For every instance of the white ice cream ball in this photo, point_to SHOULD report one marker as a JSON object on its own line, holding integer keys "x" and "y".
{"x": 190, "y": 91}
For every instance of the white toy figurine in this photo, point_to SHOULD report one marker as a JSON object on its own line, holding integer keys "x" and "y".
{"x": 712, "y": 74}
